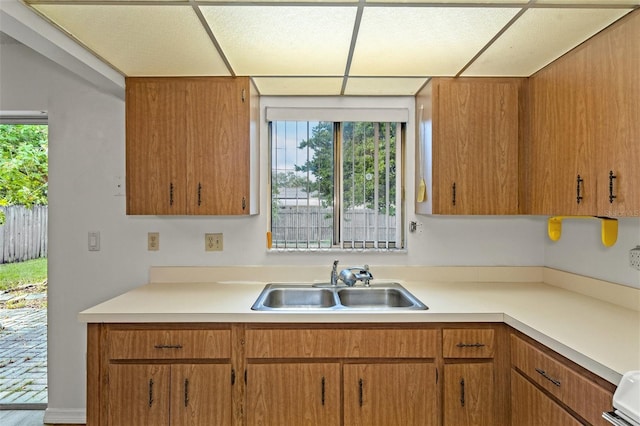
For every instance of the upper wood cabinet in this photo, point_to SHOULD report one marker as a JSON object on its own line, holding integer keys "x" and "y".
{"x": 469, "y": 132}
{"x": 584, "y": 146}
{"x": 191, "y": 146}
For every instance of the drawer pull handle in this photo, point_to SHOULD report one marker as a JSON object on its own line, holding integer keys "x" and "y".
{"x": 549, "y": 378}
{"x": 470, "y": 345}
{"x": 611, "y": 178}
{"x": 462, "y": 392}
{"x": 323, "y": 391}
{"x": 168, "y": 346}
{"x": 360, "y": 395}
{"x": 186, "y": 392}
{"x": 150, "y": 392}
{"x": 580, "y": 182}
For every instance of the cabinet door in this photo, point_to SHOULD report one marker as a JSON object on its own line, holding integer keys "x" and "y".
{"x": 561, "y": 139}
{"x": 155, "y": 146}
{"x": 139, "y": 394}
{"x": 475, "y": 148}
{"x": 293, "y": 394}
{"x": 390, "y": 394}
{"x": 468, "y": 394}
{"x": 218, "y": 154}
{"x": 531, "y": 407}
{"x": 616, "y": 116}
{"x": 200, "y": 394}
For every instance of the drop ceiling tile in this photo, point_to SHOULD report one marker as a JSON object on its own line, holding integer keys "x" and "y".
{"x": 591, "y": 2}
{"x": 141, "y": 40}
{"x": 479, "y": 2}
{"x": 283, "y": 40}
{"x": 539, "y": 37}
{"x": 295, "y": 86}
{"x": 379, "y": 86}
{"x": 423, "y": 41}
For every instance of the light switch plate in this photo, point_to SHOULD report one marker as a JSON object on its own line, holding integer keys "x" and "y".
{"x": 94, "y": 241}
{"x": 153, "y": 241}
{"x": 213, "y": 242}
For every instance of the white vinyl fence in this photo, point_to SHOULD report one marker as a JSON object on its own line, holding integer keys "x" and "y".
{"x": 23, "y": 235}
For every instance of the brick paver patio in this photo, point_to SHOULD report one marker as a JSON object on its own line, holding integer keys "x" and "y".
{"x": 23, "y": 357}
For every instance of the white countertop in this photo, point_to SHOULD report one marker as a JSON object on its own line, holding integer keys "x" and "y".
{"x": 601, "y": 336}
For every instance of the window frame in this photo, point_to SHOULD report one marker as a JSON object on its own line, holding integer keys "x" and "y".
{"x": 338, "y": 243}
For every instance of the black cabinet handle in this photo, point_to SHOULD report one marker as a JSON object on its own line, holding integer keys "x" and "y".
{"x": 322, "y": 383}
{"x": 361, "y": 392}
{"x": 150, "y": 392}
{"x": 462, "y": 392}
{"x": 171, "y": 193}
{"x": 186, "y": 392}
{"x": 611, "y": 178}
{"x": 470, "y": 345}
{"x": 579, "y": 182}
{"x": 453, "y": 194}
{"x": 168, "y": 346}
{"x": 549, "y": 378}
{"x": 199, "y": 194}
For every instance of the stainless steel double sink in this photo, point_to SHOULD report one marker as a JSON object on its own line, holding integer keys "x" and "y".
{"x": 305, "y": 297}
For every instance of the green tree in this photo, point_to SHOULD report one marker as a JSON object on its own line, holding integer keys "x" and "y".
{"x": 358, "y": 162}
{"x": 24, "y": 170}
{"x": 321, "y": 164}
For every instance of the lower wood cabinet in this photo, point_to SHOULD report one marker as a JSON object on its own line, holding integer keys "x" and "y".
{"x": 400, "y": 374}
{"x": 558, "y": 382}
{"x": 468, "y": 394}
{"x": 388, "y": 394}
{"x": 179, "y": 394}
{"x": 531, "y": 407}
{"x": 298, "y": 393}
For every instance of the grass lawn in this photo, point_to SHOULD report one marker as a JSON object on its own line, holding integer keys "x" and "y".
{"x": 17, "y": 274}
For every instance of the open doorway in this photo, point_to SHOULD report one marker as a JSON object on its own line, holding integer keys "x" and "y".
{"x": 23, "y": 260}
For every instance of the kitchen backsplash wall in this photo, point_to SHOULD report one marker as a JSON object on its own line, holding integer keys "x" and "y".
{"x": 580, "y": 251}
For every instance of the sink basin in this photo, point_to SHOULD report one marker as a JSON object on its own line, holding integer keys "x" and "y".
{"x": 283, "y": 296}
{"x": 376, "y": 298}
{"x": 304, "y": 297}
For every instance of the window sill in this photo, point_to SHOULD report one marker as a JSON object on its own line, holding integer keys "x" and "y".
{"x": 336, "y": 250}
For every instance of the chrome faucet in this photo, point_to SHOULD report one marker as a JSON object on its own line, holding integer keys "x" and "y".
{"x": 356, "y": 273}
{"x": 334, "y": 274}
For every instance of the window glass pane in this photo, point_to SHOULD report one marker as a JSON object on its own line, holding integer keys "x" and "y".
{"x": 369, "y": 185}
{"x": 302, "y": 173}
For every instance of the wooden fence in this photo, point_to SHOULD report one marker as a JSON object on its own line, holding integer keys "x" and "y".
{"x": 313, "y": 226}
{"x": 23, "y": 235}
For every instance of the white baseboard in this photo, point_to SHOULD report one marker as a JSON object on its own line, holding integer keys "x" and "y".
{"x": 65, "y": 416}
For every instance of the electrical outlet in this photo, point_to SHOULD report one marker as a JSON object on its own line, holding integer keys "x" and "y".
{"x": 212, "y": 242}
{"x": 634, "y": 258}
{"x": 153, "y": 241}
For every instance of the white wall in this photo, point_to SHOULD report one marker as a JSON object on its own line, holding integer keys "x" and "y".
{"x": 580, "y": 250}
{"x": 86, "y": 151}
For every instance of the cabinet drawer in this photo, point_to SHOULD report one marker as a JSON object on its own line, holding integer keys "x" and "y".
{"x": 341, "y": 343}
{"x": 578, "y": 392}
{"x": 169, "y": 344}
{"x": 542, "y": 369}
{"x": 468, "y": 343}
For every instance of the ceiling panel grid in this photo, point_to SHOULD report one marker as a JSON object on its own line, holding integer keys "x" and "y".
{"x": 334, "y": 47}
